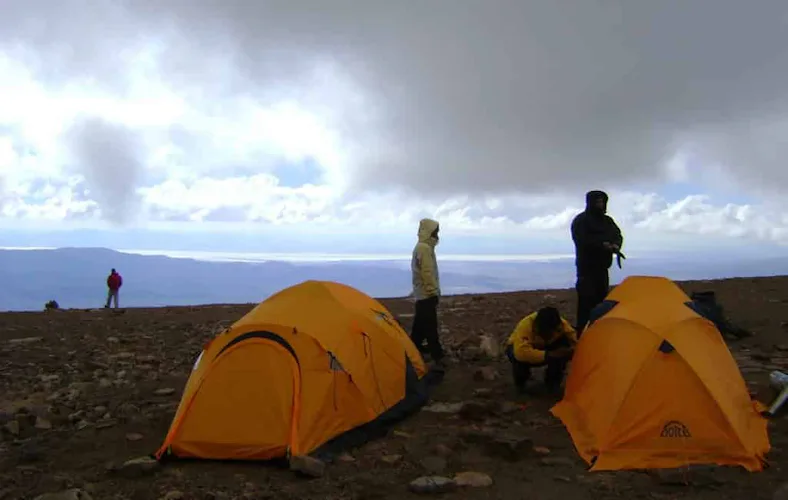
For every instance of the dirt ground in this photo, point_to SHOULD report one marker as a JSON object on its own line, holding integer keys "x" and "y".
{"x": 96, "y": 388}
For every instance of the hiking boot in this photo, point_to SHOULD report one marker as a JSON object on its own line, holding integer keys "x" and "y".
{"x": 438, "y": 366}
{"x": 553, "y": 388}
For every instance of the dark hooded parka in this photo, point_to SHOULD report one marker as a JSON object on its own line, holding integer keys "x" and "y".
{"x": 597, "y": 239}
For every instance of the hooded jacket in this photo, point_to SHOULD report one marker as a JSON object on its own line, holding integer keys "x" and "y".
{"x": 423, "y": 264}
{"x": 531, "y": 348}
{"x": 590, "y": 229}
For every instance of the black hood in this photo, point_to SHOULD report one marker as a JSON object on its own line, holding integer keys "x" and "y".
{"x": 592, "y": 196}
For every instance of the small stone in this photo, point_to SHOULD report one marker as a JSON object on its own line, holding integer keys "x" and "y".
{"x": 429, "y": 485}
{"x": 508, "y": 407}
{"x": 307, "y": 466}
{"x": 173, "y": 495}
{"x": 26, "y": 340}
{"x": 781, "y": 493}
{"x": 346, "y": 457}
{"x": 442, "y": 450}
{"x": 402, "y": 434}
{"x": 542, "y": 450}
{"x": 473, "y": 479}
{"x": 42, "y": 424}
{"x": 511, "y": 449}
{"x": 479, "y": 410}
{"x": 434, "y": 465}
{"x": 12, "y": 427}
{"x": 391, "y": 459}
{"x": 133, "y": 436}
{"x": 485, "y": 373}
{"x": 72, "y": 494}
{"x": 489, "y": 347}
{"x": 165, "y": 391}
{"x": 508, "y": 447}
{"x": 450, "y": 408}
{"x": 138, "y": 467}
{"x": 106, "y": 424}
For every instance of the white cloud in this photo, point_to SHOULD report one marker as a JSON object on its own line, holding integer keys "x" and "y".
{"x": 192, "y": 112}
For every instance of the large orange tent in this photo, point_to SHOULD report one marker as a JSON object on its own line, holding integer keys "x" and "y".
{"x": 316, "y": 365}
{"x": 653, "y": 385}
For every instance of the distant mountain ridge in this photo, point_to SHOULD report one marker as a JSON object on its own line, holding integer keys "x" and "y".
{"x": 75, "y": 277}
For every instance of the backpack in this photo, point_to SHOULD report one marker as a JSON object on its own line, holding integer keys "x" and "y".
{"x": 705, "y": 304}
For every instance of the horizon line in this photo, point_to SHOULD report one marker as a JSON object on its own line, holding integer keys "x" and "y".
{"x": 223, "y": 256}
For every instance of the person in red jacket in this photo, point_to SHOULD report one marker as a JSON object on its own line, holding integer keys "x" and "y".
{"x": 114, "y": 282}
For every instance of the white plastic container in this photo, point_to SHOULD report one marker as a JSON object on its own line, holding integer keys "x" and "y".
{"x": 779, "y": 382}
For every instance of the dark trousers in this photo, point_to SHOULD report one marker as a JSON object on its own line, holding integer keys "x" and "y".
{"x": 425, "y": 327}
{"x": 554, "y": 374}
{"x": 592, "y": 288}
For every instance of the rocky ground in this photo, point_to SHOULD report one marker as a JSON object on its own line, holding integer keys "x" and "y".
{"x": 85, "y": 391}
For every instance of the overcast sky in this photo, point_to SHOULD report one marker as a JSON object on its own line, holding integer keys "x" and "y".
{"x": 494, "y": 117}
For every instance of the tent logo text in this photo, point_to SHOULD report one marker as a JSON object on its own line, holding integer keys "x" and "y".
{"x": 675, "y": 429}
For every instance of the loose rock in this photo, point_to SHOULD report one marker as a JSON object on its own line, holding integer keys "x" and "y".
{"x": 72, "y": 494}
{"x": 443, "y": 450}
{"x": 489, "y": 347}
{"x": 165, "y": 391}
{"x": 485, "y": 373}
{"x": 781, "y": 493}
{"x": 473, "y": 479}
{"x": 450, "y": 408}
{"x": 26, "y": 340}
{"x": 479, "y": 410}
{"x": 430, "y": 485}
{"x": 137, "y": 467}
{"x": 43, "y": 424}
{"x": 391, "y": 459}
{"x": 12, "y": 427}
{"x": 307, "y": 466}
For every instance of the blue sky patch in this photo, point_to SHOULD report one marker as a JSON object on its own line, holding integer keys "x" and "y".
{"x": 299, "y": 174}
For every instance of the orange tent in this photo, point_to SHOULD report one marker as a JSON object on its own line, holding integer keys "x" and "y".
{"x": 316, "y": 366}
{"x": 653, "y": 385}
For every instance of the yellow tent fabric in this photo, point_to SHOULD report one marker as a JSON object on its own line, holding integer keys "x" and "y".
{"x": 653, "y": 385}
{"x": 308, "y": 365}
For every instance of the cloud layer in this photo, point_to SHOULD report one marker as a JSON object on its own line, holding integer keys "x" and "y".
{"x": 195, "y": 106}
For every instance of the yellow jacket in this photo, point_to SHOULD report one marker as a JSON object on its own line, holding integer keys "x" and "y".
{"x": 529, "y": 347}
{"x": 424, "y": 265}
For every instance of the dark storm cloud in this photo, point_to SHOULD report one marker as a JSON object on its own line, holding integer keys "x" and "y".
{"x": 465, "y": 95}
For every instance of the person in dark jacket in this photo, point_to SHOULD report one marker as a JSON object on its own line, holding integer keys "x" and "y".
{"x": 114, "y": 282}
{"x": 597, "y": 239}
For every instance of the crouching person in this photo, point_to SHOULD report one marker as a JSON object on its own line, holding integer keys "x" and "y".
{"x": 541, "y": 338}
